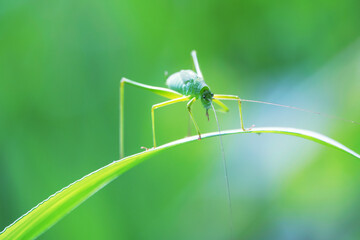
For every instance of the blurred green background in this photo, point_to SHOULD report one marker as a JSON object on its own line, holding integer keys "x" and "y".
{"x": 60, "y": 67}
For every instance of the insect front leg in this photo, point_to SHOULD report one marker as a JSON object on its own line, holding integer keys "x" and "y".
{"x": 192, "y": 117}
{"x": 232, "y": 97}
{"x": 223, "y": 107}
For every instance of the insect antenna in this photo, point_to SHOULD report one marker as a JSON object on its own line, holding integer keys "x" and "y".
{"x": 304, "y": 110}
{"x": 225, "y": 172}
{"x": 196, "y": 63}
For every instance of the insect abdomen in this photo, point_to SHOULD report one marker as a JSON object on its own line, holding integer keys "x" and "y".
{"x": 185, "y": 82}
{"x": 175, "y": 82}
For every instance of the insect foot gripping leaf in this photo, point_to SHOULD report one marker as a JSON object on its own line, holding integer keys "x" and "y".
{"x": 48, "y": 212}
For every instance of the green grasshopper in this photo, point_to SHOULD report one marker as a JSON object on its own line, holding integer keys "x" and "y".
{"x": 189, "y": 86}
{"x": 185, "y": 85}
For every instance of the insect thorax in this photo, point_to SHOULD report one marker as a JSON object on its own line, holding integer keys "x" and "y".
{"x": 186, "y": 82}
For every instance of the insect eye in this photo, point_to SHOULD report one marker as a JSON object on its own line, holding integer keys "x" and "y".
{"x": 203, "y": 96}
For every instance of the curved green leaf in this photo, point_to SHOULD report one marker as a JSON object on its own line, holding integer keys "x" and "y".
{"x": 52, "y": 209}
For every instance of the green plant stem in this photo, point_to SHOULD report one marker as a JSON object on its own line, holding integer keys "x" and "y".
{"x": 48, "y": 212}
